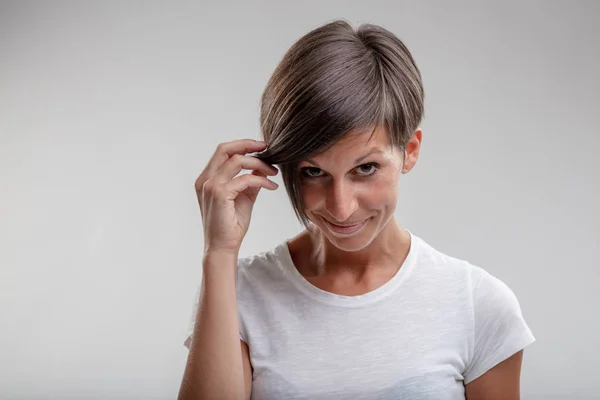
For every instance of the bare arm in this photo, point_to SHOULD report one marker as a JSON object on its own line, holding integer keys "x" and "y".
{"x": 218, "y": 365}
{"x": 215, "y": 366}
{"x": 499, "y": 383}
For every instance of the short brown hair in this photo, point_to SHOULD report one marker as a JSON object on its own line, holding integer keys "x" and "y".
{"x": 333, "y": 80}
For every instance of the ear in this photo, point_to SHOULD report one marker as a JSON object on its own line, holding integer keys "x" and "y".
{"x": 411, "y": 152}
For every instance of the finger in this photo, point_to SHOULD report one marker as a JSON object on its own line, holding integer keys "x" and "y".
{"x": 252, "y": 192}
{"x": 227, "y": 149}
{"x": 243, "y": 182}
{"x": 238, "y": 162}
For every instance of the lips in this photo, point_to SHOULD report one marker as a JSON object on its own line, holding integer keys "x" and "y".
{"x": 345, "y": 229}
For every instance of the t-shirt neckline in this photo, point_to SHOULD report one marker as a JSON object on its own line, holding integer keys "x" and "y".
{"x": 362, "y": 300}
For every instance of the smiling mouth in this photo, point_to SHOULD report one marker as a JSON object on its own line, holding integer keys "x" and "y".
{"x": 346, "y": 225}
{"x": 346, "y": 228}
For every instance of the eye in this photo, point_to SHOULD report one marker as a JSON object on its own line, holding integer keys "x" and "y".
{"x": 367, "y": 169}
{"x": 311, "y": 172}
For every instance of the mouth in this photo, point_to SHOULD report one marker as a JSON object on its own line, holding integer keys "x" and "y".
{"x": 345, "y": 229}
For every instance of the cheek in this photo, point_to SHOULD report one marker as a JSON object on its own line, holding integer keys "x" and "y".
{"x": 380, "y": 194}
{"x": 312, "y": 197}
{"x": 385, "y": 184}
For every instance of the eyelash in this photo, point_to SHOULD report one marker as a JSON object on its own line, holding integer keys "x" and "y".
{"x": 374, "y": 165}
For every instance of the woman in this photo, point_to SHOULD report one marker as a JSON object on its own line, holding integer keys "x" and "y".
{"x": 354, "y": 307}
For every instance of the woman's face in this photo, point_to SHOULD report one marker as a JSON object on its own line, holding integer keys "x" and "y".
{"x": 350, "y": 191}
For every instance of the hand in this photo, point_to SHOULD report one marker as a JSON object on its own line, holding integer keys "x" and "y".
{"x": 226, "y": 201}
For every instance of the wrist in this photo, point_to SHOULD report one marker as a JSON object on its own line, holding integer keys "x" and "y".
{"x": 219, "y": 257}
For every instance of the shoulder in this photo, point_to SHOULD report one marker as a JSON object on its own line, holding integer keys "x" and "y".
{"x": 263, "y": 262}
{"x": 262, "y": 269}
{"x": 445, "y": 269}
{"x": 440, "y": 266}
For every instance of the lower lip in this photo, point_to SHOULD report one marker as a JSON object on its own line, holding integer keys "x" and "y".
{"x": 345, "y": 230}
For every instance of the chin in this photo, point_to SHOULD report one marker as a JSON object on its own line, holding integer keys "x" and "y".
{"x": 354, "y": 242}
{"x": 349, "y": 245}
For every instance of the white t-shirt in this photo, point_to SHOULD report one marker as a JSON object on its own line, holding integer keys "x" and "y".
{"x": 438, "y": 324}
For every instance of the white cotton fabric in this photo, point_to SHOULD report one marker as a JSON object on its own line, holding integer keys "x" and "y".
{"x": 437, "y": 325}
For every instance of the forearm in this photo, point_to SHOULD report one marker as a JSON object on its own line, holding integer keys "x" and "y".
{"x": 214, "y": 369}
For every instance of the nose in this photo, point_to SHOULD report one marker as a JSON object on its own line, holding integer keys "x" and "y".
{"x": 341, "y": 201}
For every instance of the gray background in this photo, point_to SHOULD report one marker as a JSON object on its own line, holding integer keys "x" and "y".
{"x": 109, "y": 111}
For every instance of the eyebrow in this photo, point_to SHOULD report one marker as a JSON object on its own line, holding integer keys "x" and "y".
{"x": 357, "y": 161}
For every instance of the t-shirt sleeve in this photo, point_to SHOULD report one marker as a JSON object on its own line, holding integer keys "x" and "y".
{"x": 499, "y": 329}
